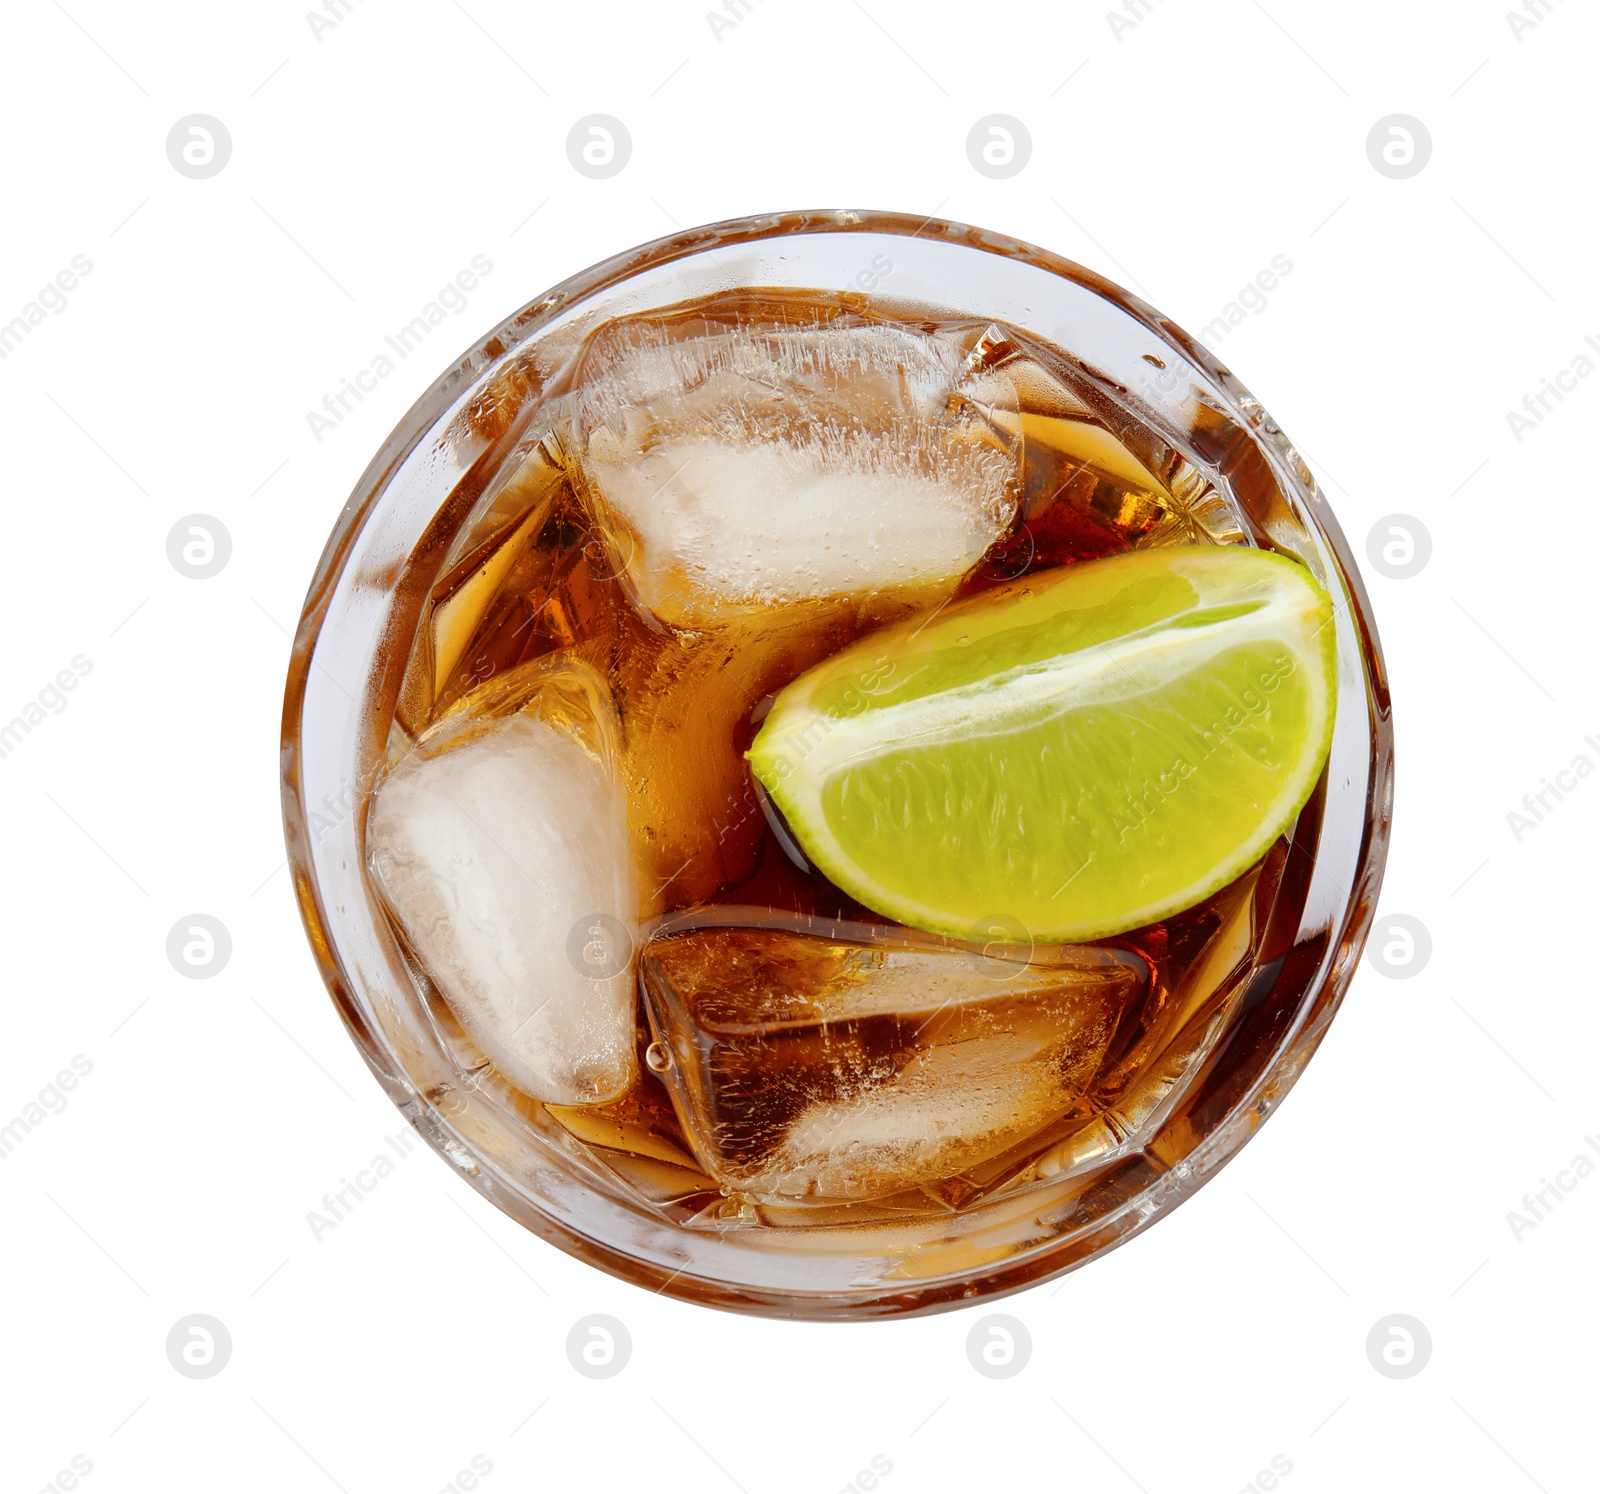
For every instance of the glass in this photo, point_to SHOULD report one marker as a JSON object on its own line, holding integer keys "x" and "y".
{"x": 407, "y": 569}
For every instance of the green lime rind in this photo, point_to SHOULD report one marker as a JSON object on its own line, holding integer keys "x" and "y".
{"x": 1085, "y": 751}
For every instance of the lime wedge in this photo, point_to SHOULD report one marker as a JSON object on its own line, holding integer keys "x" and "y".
{"x": 1081, "y": 752}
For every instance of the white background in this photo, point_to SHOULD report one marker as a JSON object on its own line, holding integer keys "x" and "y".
{"x": 368, "y": 167}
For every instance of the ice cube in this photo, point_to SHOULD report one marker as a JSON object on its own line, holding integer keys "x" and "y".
{"x": 462, "y": 596}
{"x": 854, "y": 1061}
{"x": 746, "y": 469}
{"x": 1091, "y": 485}
{"x": 482, "y": 556}
{"x": 500, "y": 845}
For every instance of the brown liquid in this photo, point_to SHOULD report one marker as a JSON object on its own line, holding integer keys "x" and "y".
{"x": 531, "y": 574}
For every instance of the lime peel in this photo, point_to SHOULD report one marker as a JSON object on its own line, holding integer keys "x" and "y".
{"x": 1086, "y": 750}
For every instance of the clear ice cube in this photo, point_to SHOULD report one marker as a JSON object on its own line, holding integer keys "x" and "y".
{"x": 520, "y": 499}
{"x": 752, "y": 468}
{"x": 1091, "y": 485}
{"x": 500, "y": 845}
{"x": 850, "y": 1061}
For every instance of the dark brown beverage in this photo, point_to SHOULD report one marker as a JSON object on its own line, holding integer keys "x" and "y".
{"x": 773, "y": 1050}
